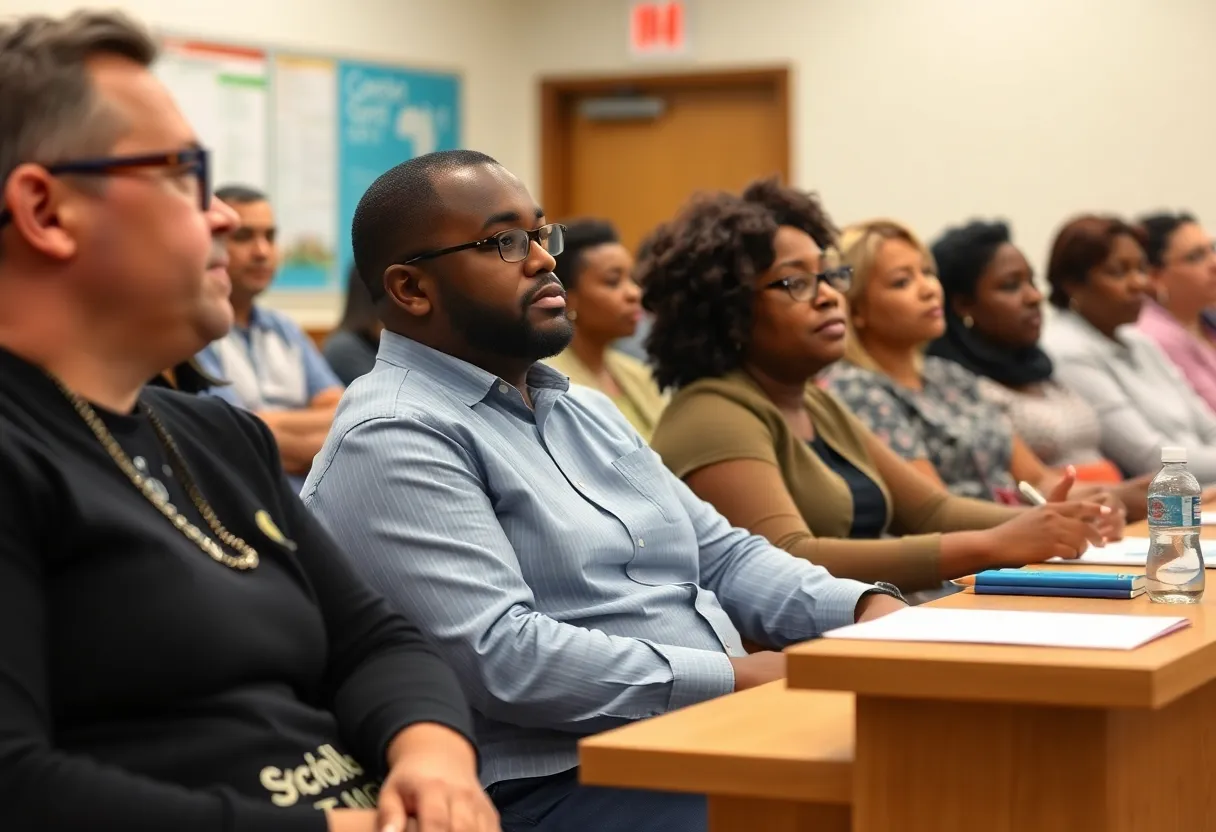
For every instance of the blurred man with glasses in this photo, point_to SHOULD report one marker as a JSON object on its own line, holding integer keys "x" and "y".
{"x": 573, "y": 581}
{"x": 182, "y": 646}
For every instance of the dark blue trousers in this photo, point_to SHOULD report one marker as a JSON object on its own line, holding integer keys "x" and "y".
{"x": 558, "y": 803}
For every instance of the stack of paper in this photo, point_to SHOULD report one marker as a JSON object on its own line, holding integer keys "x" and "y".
{"x": 1130, "y": 551}
{"x": 1035, "y": 629}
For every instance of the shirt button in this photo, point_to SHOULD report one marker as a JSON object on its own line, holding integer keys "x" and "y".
{"x": 502, "y": 388}
{"x": 641, "y": 543}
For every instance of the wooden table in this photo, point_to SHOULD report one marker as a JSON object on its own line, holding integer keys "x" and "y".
{"x": 959, "y": 738}
{"x": 951, "y": 738}
{"x": 769, "y": 758}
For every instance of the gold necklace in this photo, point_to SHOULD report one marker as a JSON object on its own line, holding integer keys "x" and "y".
{"x": 248, "y": 556}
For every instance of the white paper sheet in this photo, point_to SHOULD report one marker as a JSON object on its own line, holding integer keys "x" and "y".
{"x": 1130, "y": 551}
{"x": 1036, "y": 629}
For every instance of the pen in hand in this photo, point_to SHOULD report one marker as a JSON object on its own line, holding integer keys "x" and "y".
{"x": 1031, "y": 494}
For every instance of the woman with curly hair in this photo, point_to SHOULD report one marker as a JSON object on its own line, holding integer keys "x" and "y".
{"x": 747, "y": 311}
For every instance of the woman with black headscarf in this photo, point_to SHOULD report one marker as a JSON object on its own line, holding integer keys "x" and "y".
{"x": 993, "y": 323}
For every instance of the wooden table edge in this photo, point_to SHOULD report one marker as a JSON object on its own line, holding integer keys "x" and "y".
{"x": 816, "y": 781}
{"x": 1058, "y": 685}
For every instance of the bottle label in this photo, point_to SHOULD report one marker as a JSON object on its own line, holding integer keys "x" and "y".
{"x": 1175, "y": 511}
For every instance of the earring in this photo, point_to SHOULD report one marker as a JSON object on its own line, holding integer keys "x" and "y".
{"x": 572, "y": 315}
{"x": 968, "y": 321}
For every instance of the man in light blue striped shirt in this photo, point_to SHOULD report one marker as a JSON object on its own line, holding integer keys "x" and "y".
{"x": 575, "y": 584}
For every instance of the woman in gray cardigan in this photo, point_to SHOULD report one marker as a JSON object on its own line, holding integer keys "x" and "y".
{"x": 1098, "y": 277}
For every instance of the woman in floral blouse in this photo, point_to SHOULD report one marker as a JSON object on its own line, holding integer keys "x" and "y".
{"x": 929, "y": 410}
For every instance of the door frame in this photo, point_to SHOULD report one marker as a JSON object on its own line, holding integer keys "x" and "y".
{"x": 556, "y": 95}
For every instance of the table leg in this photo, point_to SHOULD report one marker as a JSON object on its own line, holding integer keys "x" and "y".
{"x": 938, "y": 766}
{"x": 740, "y": 814}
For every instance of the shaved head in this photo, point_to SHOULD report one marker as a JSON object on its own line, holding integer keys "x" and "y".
{"x": 399, "y": 214}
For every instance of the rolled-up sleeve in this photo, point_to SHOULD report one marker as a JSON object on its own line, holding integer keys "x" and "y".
{"x": 772, "y": 596}
{"x": 424, "y": 531}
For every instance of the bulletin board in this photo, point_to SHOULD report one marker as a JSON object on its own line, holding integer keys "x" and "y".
{"x": 313, "y": 132}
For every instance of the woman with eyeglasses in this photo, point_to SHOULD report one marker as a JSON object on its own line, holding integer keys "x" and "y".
{"x": 748, "y": 310}
{"x": 1099, "y": 278}
{"x": 603, "y": 302}
{"x": 1182, "y": 274}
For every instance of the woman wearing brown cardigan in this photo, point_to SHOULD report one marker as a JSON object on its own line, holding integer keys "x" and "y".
{"x": 747, "y": 311}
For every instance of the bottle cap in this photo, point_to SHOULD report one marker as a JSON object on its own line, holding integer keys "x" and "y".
{"x": 1172, "y": 453}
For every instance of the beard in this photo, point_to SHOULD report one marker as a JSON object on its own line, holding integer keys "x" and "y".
{"x": 492, "y": 330}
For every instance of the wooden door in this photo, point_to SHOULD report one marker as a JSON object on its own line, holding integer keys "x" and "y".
{"x": 709, "y": 132}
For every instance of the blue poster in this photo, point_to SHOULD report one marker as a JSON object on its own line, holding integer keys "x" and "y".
{"x": 386, "y": 116}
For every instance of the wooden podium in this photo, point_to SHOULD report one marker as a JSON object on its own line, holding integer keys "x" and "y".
{"x": 953, "y": 737}
{"x": 977, "y": 738}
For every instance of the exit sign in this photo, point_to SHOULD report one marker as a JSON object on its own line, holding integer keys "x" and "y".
{"x": 657, "y": 28}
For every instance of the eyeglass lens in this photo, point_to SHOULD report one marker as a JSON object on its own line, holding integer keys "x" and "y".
{"x": 805, "y": 288}
{"x": 513, "y": 245}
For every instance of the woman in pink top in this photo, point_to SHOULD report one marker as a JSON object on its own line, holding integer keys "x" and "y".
{"x": 1182, "y": 267}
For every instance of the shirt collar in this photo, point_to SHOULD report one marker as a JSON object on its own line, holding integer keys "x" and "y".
{"x": 468, "y": 382}
{"x": 1084, "y": 330}
{"x": 256, "y": 320}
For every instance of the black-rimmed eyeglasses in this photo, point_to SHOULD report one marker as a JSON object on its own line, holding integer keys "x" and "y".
{"x": 193, "y": 161}
{"x": 513, "y": 244}
{"x": 805, "y": 287}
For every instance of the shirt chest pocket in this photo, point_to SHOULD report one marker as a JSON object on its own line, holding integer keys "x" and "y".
{"x": 643, "y": 471}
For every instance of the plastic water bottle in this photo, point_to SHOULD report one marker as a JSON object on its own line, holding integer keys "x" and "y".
{"x": 1174, "y": 570}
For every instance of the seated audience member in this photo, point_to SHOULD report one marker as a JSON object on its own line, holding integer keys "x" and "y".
{"x": 1098, "y": 277}
{"x": 351, "y": 348}
{"x": 272, "y": 366}
{"x": 928, "y": 410}
{"x": 574, "y": 582}
{"x": 635, "y": 345}
{"x": 994, "y": 319}
{"x": 750, "y": 433}
{"x": 184, "y": 647}
{"x": 1182, "y": 274}
{"x": 603, "y": 302}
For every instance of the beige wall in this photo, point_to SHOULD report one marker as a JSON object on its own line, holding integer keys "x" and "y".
{"x": 928, "y": 110}
{"x": 936, "y": 110}
{"x": 465, "y": 35}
